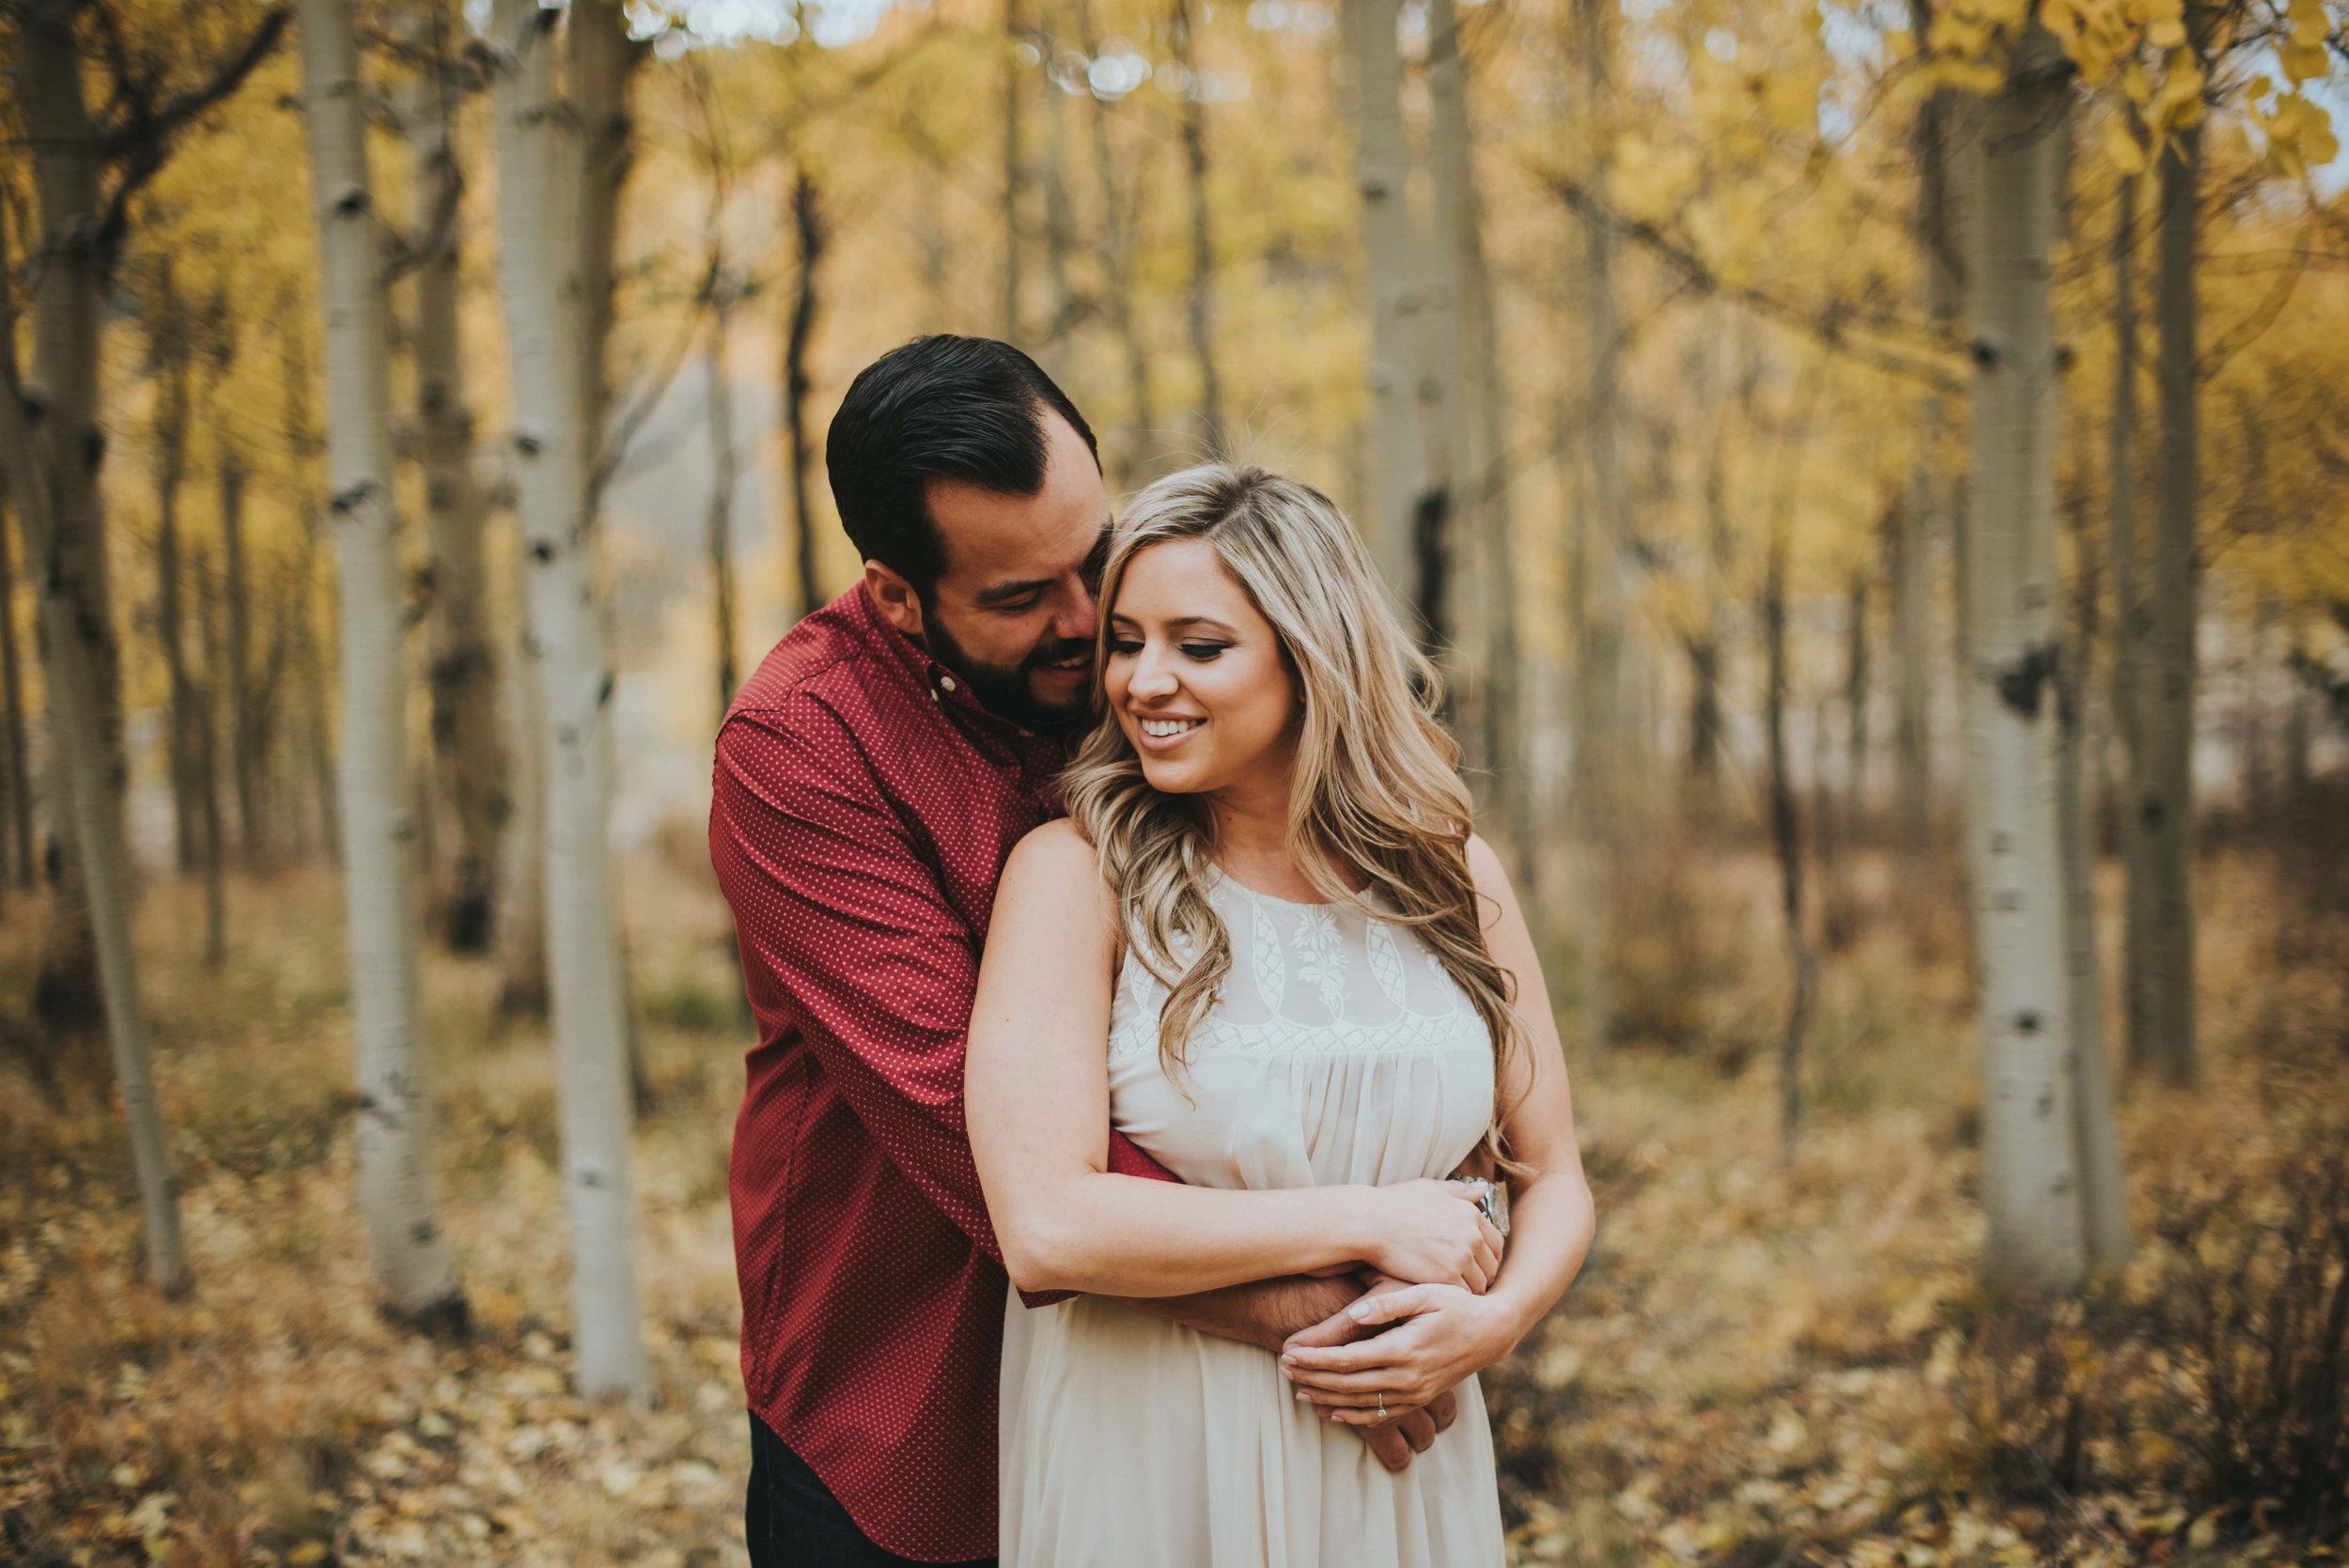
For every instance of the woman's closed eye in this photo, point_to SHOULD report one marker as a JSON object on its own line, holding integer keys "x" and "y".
{"x": 1204, "y": 651}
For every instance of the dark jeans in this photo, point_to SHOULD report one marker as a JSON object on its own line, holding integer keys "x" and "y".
{"x": 793, "y": 1520}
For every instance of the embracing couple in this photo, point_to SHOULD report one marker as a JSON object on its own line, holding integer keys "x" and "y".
{"x": 1131, "y": 987}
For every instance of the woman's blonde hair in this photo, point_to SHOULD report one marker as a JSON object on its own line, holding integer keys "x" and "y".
{"x": 1376, "y": 795}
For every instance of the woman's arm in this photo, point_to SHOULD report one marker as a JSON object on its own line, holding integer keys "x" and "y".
{"x": 1451, "y": 1334}
{"x": 1036, "y": 1095}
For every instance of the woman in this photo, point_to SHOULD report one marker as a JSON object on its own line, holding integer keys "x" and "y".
{"x": 1318, "y": 998}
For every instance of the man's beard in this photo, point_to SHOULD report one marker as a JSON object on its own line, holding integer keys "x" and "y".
{"x": 1004, "y": 690}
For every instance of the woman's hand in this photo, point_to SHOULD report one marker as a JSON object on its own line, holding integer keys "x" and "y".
{"x": 1442, "y": 1336}
{"x": 1432, "y": 1233}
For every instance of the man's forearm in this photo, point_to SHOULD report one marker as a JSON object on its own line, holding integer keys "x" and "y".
{"x": 1263, "y": 1315}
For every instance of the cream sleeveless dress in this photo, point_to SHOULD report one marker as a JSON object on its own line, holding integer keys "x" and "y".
{"x": 1340, "y": 1051}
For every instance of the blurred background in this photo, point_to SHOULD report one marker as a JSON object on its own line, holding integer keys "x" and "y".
{"x": 1876, "y": 478}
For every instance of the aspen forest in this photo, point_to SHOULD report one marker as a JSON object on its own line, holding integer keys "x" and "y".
{"x": 1874, "y": 475}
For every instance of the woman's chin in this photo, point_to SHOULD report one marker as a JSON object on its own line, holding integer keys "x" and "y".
{"x": 1169, "y": 777}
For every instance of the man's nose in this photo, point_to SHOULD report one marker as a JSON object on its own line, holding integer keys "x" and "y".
{"x": 1079, "y": 616}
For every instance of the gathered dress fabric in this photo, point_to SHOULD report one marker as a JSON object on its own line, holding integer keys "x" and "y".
{"x": 1338, "y": 1051}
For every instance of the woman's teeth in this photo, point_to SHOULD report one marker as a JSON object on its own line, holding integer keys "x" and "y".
{"x": 1162, "y": 728}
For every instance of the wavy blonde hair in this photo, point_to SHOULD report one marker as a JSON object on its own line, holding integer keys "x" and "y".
{"x": 1375, "y": 797}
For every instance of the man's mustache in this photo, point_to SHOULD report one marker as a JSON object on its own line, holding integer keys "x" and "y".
{"x": 1054, "y": 652}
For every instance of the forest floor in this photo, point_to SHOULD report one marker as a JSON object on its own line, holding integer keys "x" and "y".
{"x": 1766, "y": 1362}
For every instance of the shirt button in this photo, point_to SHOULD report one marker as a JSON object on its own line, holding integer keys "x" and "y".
{"x": 946, "y": 681}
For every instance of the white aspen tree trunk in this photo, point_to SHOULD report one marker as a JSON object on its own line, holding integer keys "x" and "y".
{"x": 2030, "y": 1175}
{"x": 414, "y": 1267}
{"x": 540, "y": 188}
{"x": 2161, "y": 1037}
{"x": 1199, "y": 311}
{"x": 96, "y": 845}
{"x": 1480, "y": 492}
{"x": 1381, "y": 167}
{"x": 468, "y": 755}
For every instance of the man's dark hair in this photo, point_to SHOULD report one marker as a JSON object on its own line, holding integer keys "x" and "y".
{"x": 942, "y": 407}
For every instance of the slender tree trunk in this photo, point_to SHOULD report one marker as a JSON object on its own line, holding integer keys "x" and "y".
{"x": 720, "y": 526}
{"x": 205, "y": 722}
{"x": 1118, "y": 266}
{"x": 2161, "y": 1036}
{"x": 1925, "y": 517}
{"x": 1785, "y": 830}
{"x": 235, "y": 681}
{"x": 2032, "y": 1175}
{"x": 1603, "y": 529}
{"x": 539, "y": 262}
{"x": 808, "y": 220}
{"x": 1382, "y": 167}
{"x": 1480, "y": 488}
{"x": 414, "y": 1267}
{"x": 1856, "y": 705}
{"x": 19, "y": 826}
{"x": 2128, "y": 613}
{"x": 321, "y": 739}
{"x": 2104, "y": 1201}
{"x": 603, "y": 59}
{"x": 1200, "y": 310}
{"x": 468, "y": 753}
{"x": 1015, "y": 172}
{"x": 75, "y": 705}
{"x": 1054, "y": 348}
{"x": 71, "y": 266}
{"x": 522, "y": 915}
{"x": 167, "y": 359}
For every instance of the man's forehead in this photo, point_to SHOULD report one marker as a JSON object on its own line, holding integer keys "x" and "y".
{"x": 987, "y": 537}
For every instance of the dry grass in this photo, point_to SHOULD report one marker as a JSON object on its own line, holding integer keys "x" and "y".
{"x": 1764, "y": 1363}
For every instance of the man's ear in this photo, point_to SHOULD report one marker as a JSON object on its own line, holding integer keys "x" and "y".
{"x": 894, "y": 597}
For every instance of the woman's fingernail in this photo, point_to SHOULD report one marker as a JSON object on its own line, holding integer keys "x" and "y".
{"x": 1358, "y": 1311}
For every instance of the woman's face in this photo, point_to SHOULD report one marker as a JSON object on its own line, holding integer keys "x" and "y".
{"x": 1195, "y": 675}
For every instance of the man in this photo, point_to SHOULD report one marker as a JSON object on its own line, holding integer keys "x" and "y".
{"x": 871, "y": 778}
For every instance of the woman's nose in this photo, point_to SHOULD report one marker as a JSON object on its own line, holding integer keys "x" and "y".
{"x": 1153, "y": 676}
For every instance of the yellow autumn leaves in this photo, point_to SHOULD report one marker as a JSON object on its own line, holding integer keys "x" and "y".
{"x": 2156, "y": 62}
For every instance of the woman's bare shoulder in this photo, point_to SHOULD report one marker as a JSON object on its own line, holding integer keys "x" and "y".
{"x": 1055, "y": 867}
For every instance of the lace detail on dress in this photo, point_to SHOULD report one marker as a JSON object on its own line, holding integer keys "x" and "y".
{"x": 1307, "y": 978}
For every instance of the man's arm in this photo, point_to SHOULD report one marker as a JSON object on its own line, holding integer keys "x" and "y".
{"x": 838, "y": 914}
{"x": 1268, "y": 1313}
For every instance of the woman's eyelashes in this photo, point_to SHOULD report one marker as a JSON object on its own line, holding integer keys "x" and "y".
{"x": 1202, "y": 652}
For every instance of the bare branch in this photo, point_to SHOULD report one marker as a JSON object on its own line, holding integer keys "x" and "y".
{"x": 1830, "y": 326}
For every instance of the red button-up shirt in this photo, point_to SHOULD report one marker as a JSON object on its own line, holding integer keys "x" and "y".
{"x": 863, "y": 806}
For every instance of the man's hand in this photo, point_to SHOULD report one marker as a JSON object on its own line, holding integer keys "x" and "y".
{"x": 1265, "y": 1314}
{"x": 1408, "y": 1433}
